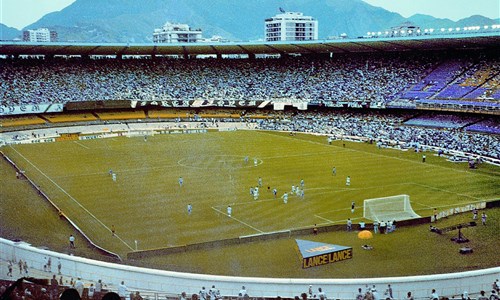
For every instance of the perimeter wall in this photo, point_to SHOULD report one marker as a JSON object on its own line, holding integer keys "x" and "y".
{"x": 137, "y": 278}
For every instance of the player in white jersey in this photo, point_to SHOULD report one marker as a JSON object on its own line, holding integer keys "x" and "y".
{"x": 275, "y": 192}
{"x": 255, "y": 162}
{"x": 229, "y": 210}
{"x": 189, "y": 208}
{"x": 348, "y": 181}
{"x": 285, "y": 198}
{"x": 260, "y": 181}
{"x": 293, "y": 189}
{"x": 256, "y": 193}
{"x": 181, "y": 181}
{"x": 113, "y": 176}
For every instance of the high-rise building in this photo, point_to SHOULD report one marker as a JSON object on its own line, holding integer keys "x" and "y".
{"x": 291, "y": 26}
{"x": 176, "y": 33}
{"x": 39, "y": 35}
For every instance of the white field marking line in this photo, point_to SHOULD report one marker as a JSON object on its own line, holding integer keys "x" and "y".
{"x": 327, "y": 220}
{"x": 246, "y": 224}
{"x": 80, "y": 144}
{"x": 448, "y": 205}
{"x": 445, "y": 191}
{"x": 296, "y": 155}
{"x": 255, "y": 201}
{"x": 424, "y": 205}
{"x": 337, "y": 221}
{"x": 130, "y": 171}
{"x": 381, "y": 155}
{"x": 71, "y": 197}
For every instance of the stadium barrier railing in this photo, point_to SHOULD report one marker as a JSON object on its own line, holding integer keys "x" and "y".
{"x": 168, "y": 282}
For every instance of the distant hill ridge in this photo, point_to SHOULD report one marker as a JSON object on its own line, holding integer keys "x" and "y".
{"x": 237, "y": 20}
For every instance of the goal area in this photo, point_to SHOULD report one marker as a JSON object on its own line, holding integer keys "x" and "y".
{"x": 391, "y": 208}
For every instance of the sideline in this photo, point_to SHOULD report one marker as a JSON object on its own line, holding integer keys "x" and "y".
{"x": 246, "y": 224}
{"x": 71, "y": 197}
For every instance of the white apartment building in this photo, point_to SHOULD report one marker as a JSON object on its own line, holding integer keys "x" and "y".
{"x": 291, "y": 26}
{"x": 39, "y": 35}
{"x": 176, "y": 33}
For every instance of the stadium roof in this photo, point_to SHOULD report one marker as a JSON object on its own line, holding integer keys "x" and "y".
{"x": 425, "y": 42}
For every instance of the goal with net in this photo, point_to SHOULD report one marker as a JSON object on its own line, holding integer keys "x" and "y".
{"x": 389, "y": 208}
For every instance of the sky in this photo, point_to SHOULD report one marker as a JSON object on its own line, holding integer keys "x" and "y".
{"x": 21, "y": 13}
{"x": 450, "y": 9}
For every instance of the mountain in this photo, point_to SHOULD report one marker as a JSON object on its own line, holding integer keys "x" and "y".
{"x": 431, "y": 22}
{"x": 236, "y": 20}
{"x": 9, "y": 33}
{"x": 428, "y": 22}
{"x": 475, "y": 20}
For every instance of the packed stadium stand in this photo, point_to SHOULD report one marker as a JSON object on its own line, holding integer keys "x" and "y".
{"x": 362, "y": 77}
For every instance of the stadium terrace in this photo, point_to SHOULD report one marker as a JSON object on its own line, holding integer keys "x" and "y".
{"x": 422, "y": 93}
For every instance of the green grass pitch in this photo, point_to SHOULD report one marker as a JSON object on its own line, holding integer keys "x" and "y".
{"x": 146, "y": 204}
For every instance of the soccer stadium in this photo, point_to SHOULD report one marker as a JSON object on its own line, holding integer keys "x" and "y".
{"x": 253, "y": 170}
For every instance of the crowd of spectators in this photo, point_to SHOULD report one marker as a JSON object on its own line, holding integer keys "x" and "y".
{"x": 361, "y": 77}
{"x": 30, "y": 288}
{"x": 386, "y": 127}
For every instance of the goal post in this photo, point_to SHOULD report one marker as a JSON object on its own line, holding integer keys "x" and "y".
{"x": 391, "y": 208}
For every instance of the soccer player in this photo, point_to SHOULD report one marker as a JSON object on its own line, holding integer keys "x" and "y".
{"x": 181, "y": 181}
{"x": 255, "y": 162}
{"x": 246, "y": 159}
{"x": 260, "y": 182}
{"x": 293, "y": 189}
{"x": 113, "y": 176}
{"x": 348, "y": 181}
{"x": 256, "y": 193}
{"x": 352, "y": 206}
{"x": 189, "y": 208}
{"x": 334, "y": 171}
{"x": 229, "y": 210}
{"x": 285, "y": 198}
{"x": 349, "y": 224}
{"x": 302, "y": 183}
{"x": 275, "y": 192}
{"x": 483, "y": 218}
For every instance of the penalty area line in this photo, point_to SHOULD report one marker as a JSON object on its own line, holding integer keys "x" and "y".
{"x": 71, "y": 197}
{"x": 328, "y": 220}
{"x": 246, "y": 224}
{"x": 81, "y": 145}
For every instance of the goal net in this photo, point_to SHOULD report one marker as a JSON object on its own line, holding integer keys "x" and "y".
{"x": 389, "y": 208}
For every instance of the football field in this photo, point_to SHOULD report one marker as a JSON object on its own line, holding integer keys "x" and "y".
{"x": 147, "y": 204}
